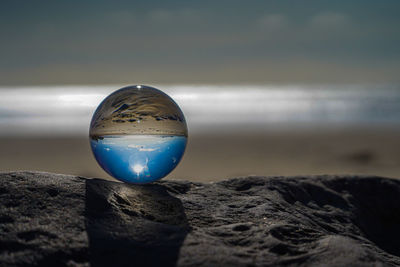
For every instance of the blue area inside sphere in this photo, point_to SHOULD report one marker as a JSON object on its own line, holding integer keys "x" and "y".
{"x": 138, "y": 158}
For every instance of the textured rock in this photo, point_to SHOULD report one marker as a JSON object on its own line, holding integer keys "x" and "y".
{"x": 51, "y": 219}
{"x": 42, "y": 219}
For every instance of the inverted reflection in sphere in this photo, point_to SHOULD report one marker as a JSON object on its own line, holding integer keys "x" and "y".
{"x": 138, "y": 134}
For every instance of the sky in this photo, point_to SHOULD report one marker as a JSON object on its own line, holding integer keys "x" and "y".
{"x": 206, "y": 42}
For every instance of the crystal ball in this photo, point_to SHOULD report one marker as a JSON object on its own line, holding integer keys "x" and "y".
{"x": 138, "y": 134}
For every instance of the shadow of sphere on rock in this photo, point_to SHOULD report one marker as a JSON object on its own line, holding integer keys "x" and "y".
{"x": 141, "y": 225}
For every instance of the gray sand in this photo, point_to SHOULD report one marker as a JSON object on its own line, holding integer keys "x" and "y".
{"x": 223, "y": 155}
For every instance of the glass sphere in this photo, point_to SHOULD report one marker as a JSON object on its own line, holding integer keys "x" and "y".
{"x": 138, "y": 134}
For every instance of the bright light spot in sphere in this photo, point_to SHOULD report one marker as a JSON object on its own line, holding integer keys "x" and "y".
{"x": 138, "y": 168}
{"x": 139, "y": 86}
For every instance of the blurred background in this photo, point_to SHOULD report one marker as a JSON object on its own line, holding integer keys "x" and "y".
{"x": 267, "y": 87}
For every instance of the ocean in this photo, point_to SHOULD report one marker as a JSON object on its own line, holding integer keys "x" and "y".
{"x": 67, "y": 110}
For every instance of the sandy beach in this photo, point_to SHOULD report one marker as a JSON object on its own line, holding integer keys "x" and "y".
{"x": 216, "y": 156}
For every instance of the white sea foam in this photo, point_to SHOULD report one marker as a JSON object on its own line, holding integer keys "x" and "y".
{"x": 68, "y": 109}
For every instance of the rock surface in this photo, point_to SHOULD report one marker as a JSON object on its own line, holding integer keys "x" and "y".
{"x": 57, "y": 220}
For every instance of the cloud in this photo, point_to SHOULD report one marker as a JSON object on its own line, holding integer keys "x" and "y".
{"x": 161, "y": 15}
{"x": 141, "y": 148}
{"x": 147, "y": 149}
{"x": 307, "y": 34}
{"x": 122, "y": 18}
{"x": 180, "y": 16}
{"x": 329, "y": 20}
{"x": 273, "y": 22}
{"x": 307, "y": 26}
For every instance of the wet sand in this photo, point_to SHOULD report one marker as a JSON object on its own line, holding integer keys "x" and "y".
{"x": 212, "y": 157}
